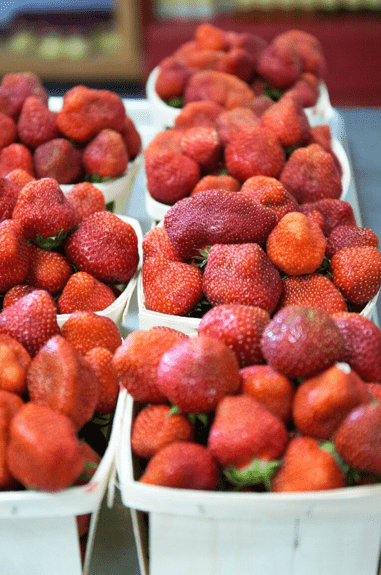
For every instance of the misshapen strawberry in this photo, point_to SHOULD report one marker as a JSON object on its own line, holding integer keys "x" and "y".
{"x": 280, "y": 64}
{"x": 14, "y": 255}
{"x": 241, "y": 274}
{"x": 270, "y": 193}
{"x": 313, "y": 290}
{"x": 36, "y": 124}
{"x": 106, "y": 155}
{"x": 356, "y": 271}
{"x": 196, "y": 373}
{"x": 216, "y": 216}
{"x": 59, "y": 159}
{"x": 224, "y": 89}
{"x": 86, "y": 329}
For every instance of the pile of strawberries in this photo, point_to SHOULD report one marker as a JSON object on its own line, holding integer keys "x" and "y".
{"x": 285, "y": 404}
{"x": 91, "y": 137}
{"x": 242, "y": 69}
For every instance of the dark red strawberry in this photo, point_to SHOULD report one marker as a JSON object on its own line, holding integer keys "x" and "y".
{"x": 59, "y": 159}
{"x": 335, "y": 213}
{"x": 347, "y": 236}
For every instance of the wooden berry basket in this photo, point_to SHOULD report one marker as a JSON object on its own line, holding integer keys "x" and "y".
{"x": 331, "y": 532}
{"x": 39, "y": 529}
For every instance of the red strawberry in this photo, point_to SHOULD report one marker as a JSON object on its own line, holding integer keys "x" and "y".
{"x": 59, "y": 159}
{"x": 14, "y": 255}
{"x": 8, "y": 198}
{"x": 43, "y": 450}
{"x": 196, "y": 373}
{"x": 86, "y": 329}
{"x": 15, "y": 361}
{"x": 241, "y": 274}
{"x": 201, "y": 113}
{"x": 322, "y": 402}
{"x": 230, "y": 122}
{"x": 86, "y": 199}
{"x": 83, "y": 292}
{"x": 240, "y": 327}
{"x": 306, "y": 89}
{"x": 171, "y": 287}
{"x": 356, "y": 272}
{"x": 8, "y": 130}
{"x": 220, "y": 87}
{"x": 307, "y": 467}
{"x": 32, "y": 320}
{"x": 172, "y": 78}
{"x": 137, "y": 358}
{"x": 10, "y": 403}
{"x": 104, "y": 246}
{"x": 347, "y": 236}
{"x": 270, "y": 193}
{"x": 272, "y": 389}
{"x": 280, "y": 64}
{"x": 300, "y": 341}
{"x": 36, "y": 124}
{"x": 155, "y": 426}
{"x": 335, "y": 213}
{"x": 202, "y": 144}
{"x": 287, "y": 119}
{"x": 216, "y": 182}
{"x": 15, "y": 88}
{"x": 20, "y": 177}
{"x": 244, "y": 430}
{"x": 131, "y": 137}
{"x": 16, "y": 156}
{"x": 62, "y": 379}
{"x": 216, "y": 217}
{"x": 362, "y": 344}
{"x": 48, "y": 270}
{"x": 15, "y": 293}
{"x": 358, "y": 439}
{"x": 313, "y": 290}
{"x": 166, "y": 140}
{"x": 238, "y": 62}
{"x": 156, "y": 243}
{"x": 308, "y": 49}
{"x": 211, "y": 37}
{"x": 184, "y": 465}
{"x": 43, "y": 210}
{"x": 106, "y": 155}
{"x": 91, "y": 461}
{"x": 100, "y": 360}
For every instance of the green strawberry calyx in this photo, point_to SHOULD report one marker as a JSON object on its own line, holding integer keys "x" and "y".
{"x": 194, "y": 418}
{"x": 175, "y": 102}
{"x": 52, "y": 242}
{"x": 257, "y": 472}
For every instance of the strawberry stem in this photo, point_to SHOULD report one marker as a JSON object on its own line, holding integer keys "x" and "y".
{"x": 257, "y": 472}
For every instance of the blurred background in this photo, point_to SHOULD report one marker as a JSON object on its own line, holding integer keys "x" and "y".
{"x": 116, "y": 44}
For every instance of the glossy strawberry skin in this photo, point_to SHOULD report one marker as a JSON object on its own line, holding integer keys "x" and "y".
{"x": 48, "y": 270}
{"x": 87, "y": 329}
{"x": 14, "y": 255}
{"x": 314, "y": 290}
{"x": 346, "y": 236}
{"x": 100, "y": 360}
{"x": 83, "y": 292}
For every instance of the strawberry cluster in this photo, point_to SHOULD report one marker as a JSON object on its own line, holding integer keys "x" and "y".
{"x": 91, "y": 137}
{"x": 68, "y": 245}
{"x": 241, "y": 69}
{"x": 209, "y": 147}
{"x": 289, "y": 403}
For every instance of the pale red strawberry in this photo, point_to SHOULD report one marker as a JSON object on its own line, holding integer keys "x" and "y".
{"x": 313, "y": 290}
{"x": 155, "y": 426}
{"x": 15, "y": 361}
{"x": 300, "y": 341}
{"x": 270, "y": 193}
{"x": 241, "y": 274}
{"x": 196, "y": 373}
{"x": 60, "y": 378}
{"x": 156, "y": 243}
{"x": 201, "y": 113}
{"x": 32, "y": 320}
{"x": 8, "y": 130}
{"x": 287, "y": 119}
{"x": 16, "y": 156}
{"x": 104, "y": 246}
{"x": 356, "y": 272}
{"x": 184, "y": 465}
{"x": 86, "y": 329}
{"x": 240, "y": 327}
{"x": 362, "y": 344}
{"x": 14, "y": 255}
{"x": 335, "y": 213}
{"x": 229, "y": 122}
{"x": 171, "y": 287}
{"x": 82, "y": 292}
{"x": 100, "y": 360}
{"x": 20, "y": 177}
{"x": 216, "y": 182}
{"x": 8, "y": 197}
{"x": 86, "y": 199}
{"x": 15, "y": 293}
{"x": 202, "y": 144}
{"x": 347, "y": 236}
{"x": 137, "y": 358}
{"x": 48, "y": 270}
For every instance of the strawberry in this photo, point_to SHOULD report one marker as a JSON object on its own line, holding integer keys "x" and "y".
{"x": 362, "y": 344}
{"x": 137, "y": 371}
{"x": 100, "y": 360}
{"x": 131, "y": 137}
{"x": 15, "y": 88}
{"x": 301, "y": 341}
{"x": 14, "y": 255}
{"x": 172, "y": 78}
{"x": 196, "y": 373}
{"x": 62, "y": 379}
{"x": 202, "y": 144}
{"x": 238, "y": 62}
{"x": 20, "y": 177}
{"x": 155, "y": 427}
{"x": 10, "y": 403}
{"x": 306, "y": 466}
{"x": 280, "y": 64}
{"x": 16, "y": 156}
{"x": 36, "y": 124}
{"x": 15, "y": 293}
{"x": 310, "y": 174}
{"x": 322, "y": 402}
{"x": 358, "y": 438}
{"x": 105, "y": 247}
{"x": 8, "y": 131}
{"x": 308, "y": 49}
{"x": 270, "y": 193}
{"x": 254, "y": 151}
{"x": 43, "y": 210}
{"x": 240, "y": 327}
{"x": 272, "y": 389}
{"x": 220, "y": 87}
{"x": 296, "y": 245}
{"x": 216, "y": 217}
{"x": 229, "y": 122}
{"x": 106, "y": 155}
{"x": 244, "y": 430}
{"x": 201, "y": 113}
{"x": 59, "y": 159}
{"x": 86, "y": 329}
{"x": 48, "y": 270}
{"x": 335, "y": 213}
{"x": 356, "y": 272}
{"x": 166, "y": 140}
{"x": 306, "y": 89}
{"x": 287, "y": 119}
{"x": 184, "y": 465}
{"x": 32, "y": 320}
{"x": 91, "y": 461}
{"x": 349, "y": 236}
{"x": 86, "y": 200}
{"x": 241, "y": 274}
{"x": 216, "y": 182}
{"x": 171, "y": 287}
{"x": 8, "y": 198}
{"x": 43, "y": 450}
{"x": 15, "y": 361}
{"x": 313, "y": 290}
{"x": 211, "y": 37}
{"x": 156, "y": 243}
{"x": 82, "y": 292}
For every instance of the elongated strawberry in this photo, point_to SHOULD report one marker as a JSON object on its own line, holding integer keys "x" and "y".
{"x": 270, "y": 193}
{"x": 100, "y": 360}
{"x": 86, "y": 329}
{"x": 83, "y": 292}
{"x": 14, "y": 255}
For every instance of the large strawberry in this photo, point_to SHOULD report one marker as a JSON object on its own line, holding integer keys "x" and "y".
{"x": 87, "y": 329}
{"x": 104, "y": 246}
{"x": 14, "y": 255}
{"x": 83, "y": 292}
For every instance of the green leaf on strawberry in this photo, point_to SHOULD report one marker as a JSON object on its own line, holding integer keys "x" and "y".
{"x": 257, "y": 473}
{"x": 175, "y": 102}
{"x": 52, "y": 242}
